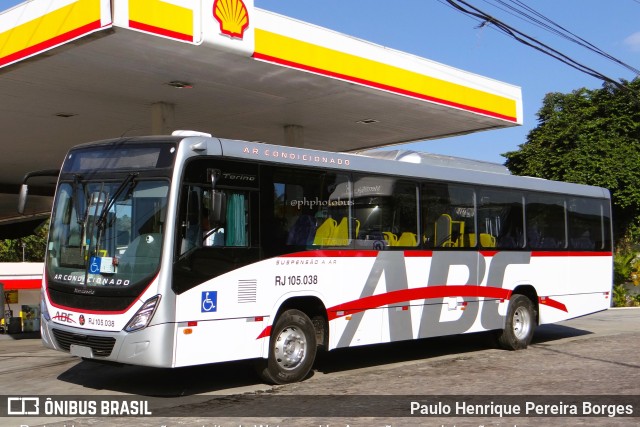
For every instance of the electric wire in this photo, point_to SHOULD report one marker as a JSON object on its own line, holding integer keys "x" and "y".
{"x": 468, "y": 9}
{"x": 559, "y": 30}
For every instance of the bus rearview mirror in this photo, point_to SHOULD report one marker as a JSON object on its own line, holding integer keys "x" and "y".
{"x": 24, "y": 189}
{"x": 22, "y": 198}
{"x": 218, "y": 208}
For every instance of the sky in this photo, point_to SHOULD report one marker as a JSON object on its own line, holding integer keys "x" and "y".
{"x": 431, "y": 29}
{"x": 434, "y": 30}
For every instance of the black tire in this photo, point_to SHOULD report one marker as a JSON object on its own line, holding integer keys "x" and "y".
{"x": 520, "y": 324}
{"x": 292, "y": 349}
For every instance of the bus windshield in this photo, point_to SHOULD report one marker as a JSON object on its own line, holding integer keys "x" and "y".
{"x": 107, "y": 233}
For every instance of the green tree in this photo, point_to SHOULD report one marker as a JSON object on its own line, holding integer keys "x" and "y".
{"x": 590, "y": 137}
{"x": 34, "y": 246}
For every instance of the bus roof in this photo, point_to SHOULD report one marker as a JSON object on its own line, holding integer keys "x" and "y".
{"x": 412, "y": 156}
{"x": 455, "y": 170}
{"x": 394, "y": 163}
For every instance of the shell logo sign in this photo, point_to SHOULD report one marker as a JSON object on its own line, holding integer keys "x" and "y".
{"x": 233, "y": 17}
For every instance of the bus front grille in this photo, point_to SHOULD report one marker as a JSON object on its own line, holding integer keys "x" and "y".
{"x": 101, "y": 346}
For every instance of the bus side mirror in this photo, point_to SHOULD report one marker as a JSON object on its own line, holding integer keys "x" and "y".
{"x": 24, "y": 189}
{"x": 218, "y": 208}
{"x": 22, "y": 198}
{"x": 218, "y": 205}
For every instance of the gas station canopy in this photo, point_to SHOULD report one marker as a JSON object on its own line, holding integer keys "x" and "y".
{"x": 73, "y": 71}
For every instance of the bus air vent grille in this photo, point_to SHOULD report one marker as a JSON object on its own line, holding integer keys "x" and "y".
{"x": 101, "y": 346}
{"x": 247, "y": 290}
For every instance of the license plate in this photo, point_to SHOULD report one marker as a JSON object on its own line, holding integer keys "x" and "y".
{"x": 81, "y": 351}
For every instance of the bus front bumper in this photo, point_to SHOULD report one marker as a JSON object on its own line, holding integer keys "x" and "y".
{"x": 152, "y": 346}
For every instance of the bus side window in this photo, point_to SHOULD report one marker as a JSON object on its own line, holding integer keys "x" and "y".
{"x": 585, "y": 224}
{"x": 386, "y": 212}
{"x": 448, "y": 216}
{"x": 310, "y": 208}
{"x": 546, "y": 229}
{"x": 232, "y": 228}
{"x": 500, "y": 219}
{"x": 405, "y": 214}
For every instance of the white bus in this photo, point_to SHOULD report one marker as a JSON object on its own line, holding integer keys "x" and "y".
{"x": 187, "y": 249}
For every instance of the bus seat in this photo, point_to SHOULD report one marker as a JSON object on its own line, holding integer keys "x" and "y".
{"x": 457, "y": 234}
{"x": 302, "y": 231}
{"x": 487, "y": 240}
{"x": 407, "y": 239}
{"x": 357, "y": 227}
{"x": 324, "y": 232}
{"x": 443, "y": 231}
{"x": 583, "y": 243}
{"x": 391, "y": 238}
{"x": 341, "y": 233}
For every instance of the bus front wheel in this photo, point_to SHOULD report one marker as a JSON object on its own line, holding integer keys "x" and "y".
{"x": 292, "y": 349}
{"x": 520, "y": 324}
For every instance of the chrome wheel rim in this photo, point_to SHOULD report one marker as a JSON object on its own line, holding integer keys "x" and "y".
{"x": 521, "y": 323}
{"x": 290, "y": 348}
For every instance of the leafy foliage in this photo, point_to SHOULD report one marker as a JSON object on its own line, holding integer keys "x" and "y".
{"x": 590, "y": 137}
{"x": 626, "y": 276}
{"x": 622, "y": 297}
{"x": 625, "y": 268}
{"x": 34, "y": 247}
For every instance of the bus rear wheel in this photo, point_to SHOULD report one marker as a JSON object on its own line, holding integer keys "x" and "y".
{"x": 292, "y": 349}
{"x": 520, "y": 324}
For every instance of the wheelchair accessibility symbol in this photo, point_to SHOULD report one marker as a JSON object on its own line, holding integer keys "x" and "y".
{"x": 94, "y": 265}
{"x": 209, "y": 302}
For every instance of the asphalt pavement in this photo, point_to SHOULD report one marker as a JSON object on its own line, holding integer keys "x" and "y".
{"x": 590, "y": 363}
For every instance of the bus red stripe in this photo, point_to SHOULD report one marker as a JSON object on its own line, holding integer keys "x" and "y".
{"x": 541, "y": 254}
{"x": 430, "y": 292}
{"x": 81, "y": 310}
{"x": 404, "y": 295}
{"x": 332, "y": 253}
{"x": 265, "y": 333}
{"x": 553, "y": 304}
{"x": 416, "y": 253}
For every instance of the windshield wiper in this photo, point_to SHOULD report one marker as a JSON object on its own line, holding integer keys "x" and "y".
{"x": 99, "y": 223}
{"x": 76, "y": 200}
{"x": 128, "y": 181}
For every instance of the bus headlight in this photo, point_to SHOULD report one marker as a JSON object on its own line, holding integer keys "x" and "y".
{"x": 44, "y": 311}
{"x": 144, "y": 315}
